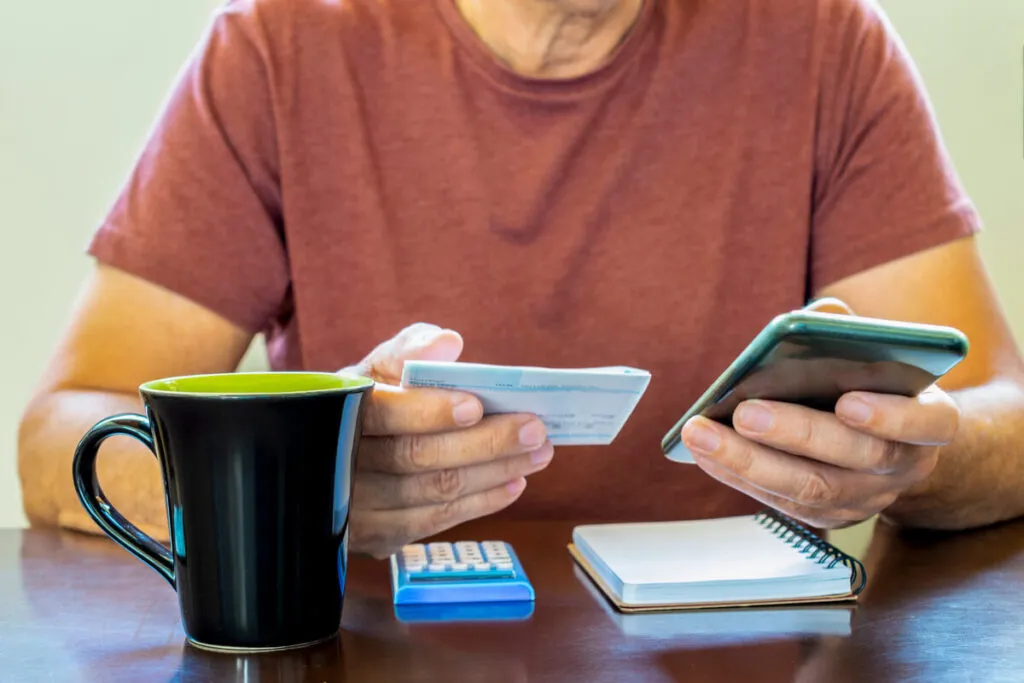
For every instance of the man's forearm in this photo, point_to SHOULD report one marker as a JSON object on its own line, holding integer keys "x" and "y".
{"x": 130, "y": 476}
{"x": 979, "y": 478}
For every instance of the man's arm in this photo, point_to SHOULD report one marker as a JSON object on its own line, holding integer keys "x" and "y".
{"x": 979, "y": 478}
{"x": 124, "y": 331}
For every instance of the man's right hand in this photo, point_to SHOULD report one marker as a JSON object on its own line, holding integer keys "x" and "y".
{"x": 428, "y": 459}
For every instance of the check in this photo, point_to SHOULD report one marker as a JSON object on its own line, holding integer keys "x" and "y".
{"x": 584, "y": 406}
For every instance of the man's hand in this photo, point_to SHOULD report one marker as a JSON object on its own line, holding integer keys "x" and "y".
{"x": 827, "y": 469}
{"x": 428, "y": 459}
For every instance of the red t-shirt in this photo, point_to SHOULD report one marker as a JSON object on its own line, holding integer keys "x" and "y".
{"x": 329, "y": 172}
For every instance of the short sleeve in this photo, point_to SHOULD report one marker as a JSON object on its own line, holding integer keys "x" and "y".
{"x": 200, "y": 214}
{"x": 884, "y": 184}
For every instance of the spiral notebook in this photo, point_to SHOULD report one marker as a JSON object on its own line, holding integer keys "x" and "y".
{"x": 751, "y": 560}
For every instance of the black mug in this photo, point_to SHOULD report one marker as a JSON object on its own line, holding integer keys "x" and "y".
{"x": 257, "y": 471}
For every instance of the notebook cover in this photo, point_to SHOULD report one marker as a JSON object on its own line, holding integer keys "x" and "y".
{"x": 848, "y": 597}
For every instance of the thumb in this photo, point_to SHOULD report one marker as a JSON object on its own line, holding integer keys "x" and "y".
{"x": 420, "y": 341}
{"x": 829, "y": 304}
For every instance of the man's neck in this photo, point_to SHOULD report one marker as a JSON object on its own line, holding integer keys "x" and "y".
{"x": 551, "y": 38}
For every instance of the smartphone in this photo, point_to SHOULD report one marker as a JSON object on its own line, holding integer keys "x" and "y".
{"x": 812, "y": 358}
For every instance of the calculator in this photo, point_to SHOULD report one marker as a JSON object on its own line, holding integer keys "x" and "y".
{"x": 458, "y": 573}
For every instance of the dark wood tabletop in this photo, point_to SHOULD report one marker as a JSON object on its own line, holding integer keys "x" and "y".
{"x": 938, "y": 607}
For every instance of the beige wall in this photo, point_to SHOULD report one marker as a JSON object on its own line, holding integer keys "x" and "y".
{"x": 80, "y": 84}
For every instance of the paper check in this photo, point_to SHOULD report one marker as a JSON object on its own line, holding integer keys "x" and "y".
{"x": 585, "y": 406}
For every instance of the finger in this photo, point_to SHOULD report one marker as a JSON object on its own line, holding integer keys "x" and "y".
{"x": 396, "y": 410}
{"x": 383, "y": 491}
{"x": 825, "y": 518}
{"x": 382, "y": 532}
{"x": 821, "y": 436}
{"x": 420, "y": 341}
{"x": 807, "y": 483}
{"x": 494, "y": 437}
{"x": 932, "y": 418}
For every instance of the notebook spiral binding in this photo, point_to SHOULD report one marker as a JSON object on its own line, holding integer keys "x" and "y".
{"x": 816, "y": 548}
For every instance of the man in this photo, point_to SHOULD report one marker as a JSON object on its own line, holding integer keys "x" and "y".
{"x": 549, "y": 182}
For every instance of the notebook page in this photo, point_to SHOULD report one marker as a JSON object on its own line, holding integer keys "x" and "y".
{"x": 715, "y": 550}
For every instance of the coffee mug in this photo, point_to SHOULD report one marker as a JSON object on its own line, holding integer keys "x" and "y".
{"x": 257, "y": 472}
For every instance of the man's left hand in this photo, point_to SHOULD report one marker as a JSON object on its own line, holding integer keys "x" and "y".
{"x": 828, "y": 470}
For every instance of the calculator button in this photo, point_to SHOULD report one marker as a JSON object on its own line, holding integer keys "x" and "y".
{"x": 437, "y": 567}
{"x": 503, "y": 565}
{"x": 482, "y": 567}
{"x": 413, "y": 568}
{"x": 459, "y": 567}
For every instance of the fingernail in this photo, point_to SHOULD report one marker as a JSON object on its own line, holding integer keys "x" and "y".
{"x": 543, "y": 455}
{"x": 701, "y": 438}
{"x": 856, "y": 410}
{"x": 467, "y": 411}
{"x": 516, "y": 486}
{"x": 533, "y": 434}
{"x": 754, "y": 417}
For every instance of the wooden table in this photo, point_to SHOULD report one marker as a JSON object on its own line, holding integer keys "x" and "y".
{"x": 938, "y": 608}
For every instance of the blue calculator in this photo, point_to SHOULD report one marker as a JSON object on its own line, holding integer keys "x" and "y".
{"x": 458, "y": 573}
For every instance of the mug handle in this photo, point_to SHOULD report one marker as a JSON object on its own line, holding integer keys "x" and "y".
{"x": 112, "y": 522}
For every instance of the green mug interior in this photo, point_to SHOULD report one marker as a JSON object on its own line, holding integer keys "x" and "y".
{"x": 256, "y": 384}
